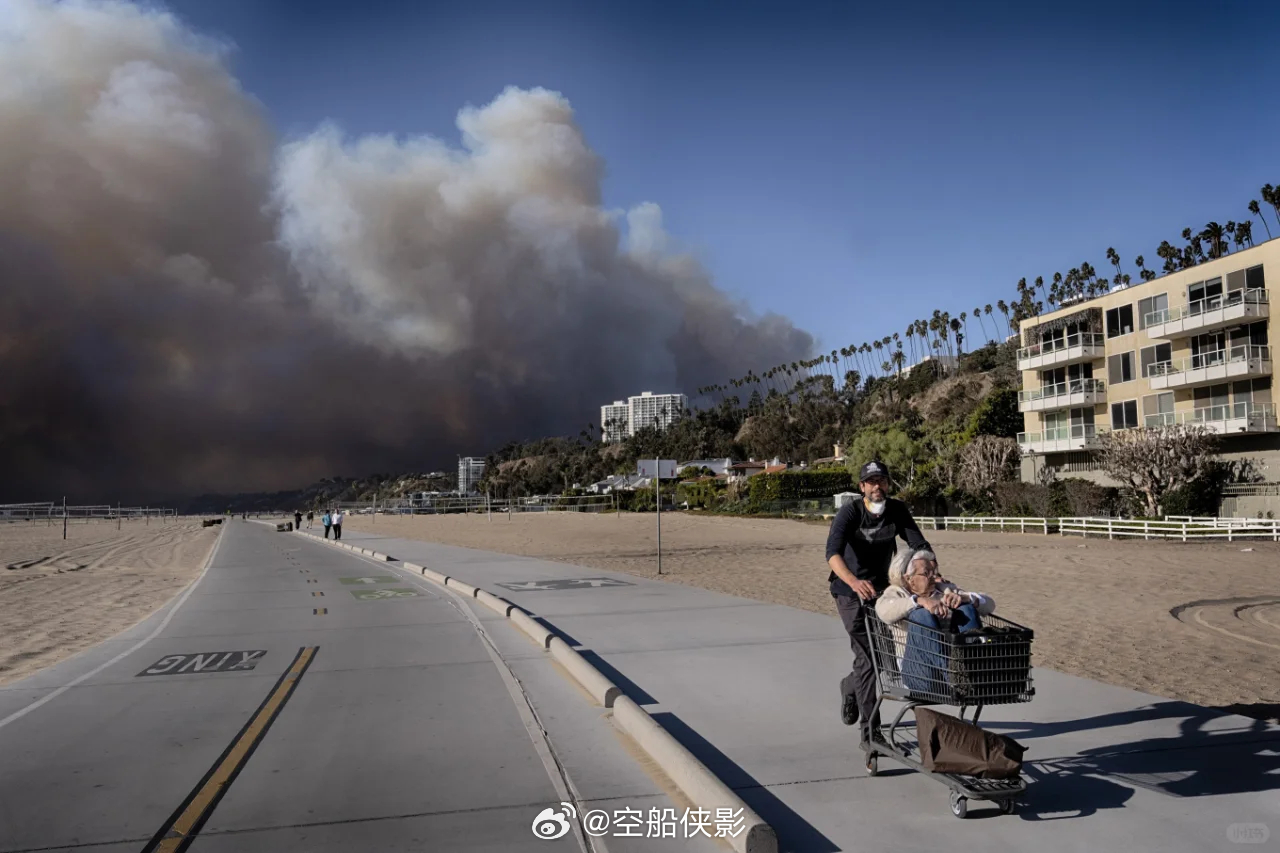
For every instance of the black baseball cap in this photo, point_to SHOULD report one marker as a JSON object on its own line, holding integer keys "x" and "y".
{"x": 874, "y": 468}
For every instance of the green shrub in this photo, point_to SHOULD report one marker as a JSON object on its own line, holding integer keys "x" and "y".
{"x": 798, "y": 485}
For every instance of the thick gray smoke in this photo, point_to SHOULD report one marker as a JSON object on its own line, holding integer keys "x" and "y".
{"x": 189, "y": 304}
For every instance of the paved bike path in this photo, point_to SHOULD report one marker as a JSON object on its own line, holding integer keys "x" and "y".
{"x": 346, "y": 708}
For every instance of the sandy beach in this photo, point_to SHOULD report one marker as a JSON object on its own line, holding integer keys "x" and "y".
{"x": 60, "y": 597}
{"x": 1196, "y": 622}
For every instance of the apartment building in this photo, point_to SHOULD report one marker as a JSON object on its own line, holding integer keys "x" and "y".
{"x": 620, "y": 420}
{"x": 615, "y": 421}
{"x": 1191, "y": 347}
{"x": 470, "y": 471}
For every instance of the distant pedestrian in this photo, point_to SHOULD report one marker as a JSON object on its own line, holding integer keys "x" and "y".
{"x": 337, "y": 524}
{"x": 327, "y": 521}
{"x": 310, "y": 516}
{"x": 297, "y": 520}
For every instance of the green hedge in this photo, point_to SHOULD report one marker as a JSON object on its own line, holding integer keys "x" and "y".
{"x": 799, "y": 485}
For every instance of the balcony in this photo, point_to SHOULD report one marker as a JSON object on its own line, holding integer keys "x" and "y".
{"x": 1063, "y": 395}
{"x": 1227, "y": 419}
{"x": 1072, "y": 349}
{"x": 1205, "y": 315}
{"x": 1210, "y": 368}
{"x": 1060, "y": 439}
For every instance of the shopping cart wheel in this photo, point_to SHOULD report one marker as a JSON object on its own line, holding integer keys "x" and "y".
{"x": 959, "y": 805}
{"x": 1007, "y": 806}
{"x": 873, "y": 764}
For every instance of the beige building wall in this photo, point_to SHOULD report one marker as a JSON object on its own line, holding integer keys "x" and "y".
{"x": 1127, "y": 324}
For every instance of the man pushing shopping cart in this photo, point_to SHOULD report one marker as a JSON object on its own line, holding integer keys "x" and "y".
{"x": 860, "y": 547}
{"x": 920, "y": 640}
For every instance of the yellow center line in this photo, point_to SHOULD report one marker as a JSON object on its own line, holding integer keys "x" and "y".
{"x": 181, "y": 829}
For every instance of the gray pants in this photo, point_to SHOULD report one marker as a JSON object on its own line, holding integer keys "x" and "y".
{"x": 861, "y": 682}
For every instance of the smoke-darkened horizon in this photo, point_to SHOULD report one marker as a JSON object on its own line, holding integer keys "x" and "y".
{"x": 193, "y": 305}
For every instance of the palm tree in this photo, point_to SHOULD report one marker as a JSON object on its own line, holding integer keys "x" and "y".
{"x": 1271, "y": 195}
{"x": 898, "y": 358}
{"x": 1244, "y": 233}
{"x": 1216, "y": 236}
{"x": 1256, "y": 210}
{"x": 1114, "y": 257}
{"x": 958, "y": 335}
{"x": 1004, "y": 309}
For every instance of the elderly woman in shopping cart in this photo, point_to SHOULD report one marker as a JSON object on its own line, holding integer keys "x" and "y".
{"x": 917, "y": 605}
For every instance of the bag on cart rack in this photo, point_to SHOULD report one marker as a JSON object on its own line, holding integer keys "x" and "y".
{"x": 951, "y": 745}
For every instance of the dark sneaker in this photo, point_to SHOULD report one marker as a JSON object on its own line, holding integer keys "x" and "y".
{"x": 877, "y": 737}
{"x": 849, "y": 710}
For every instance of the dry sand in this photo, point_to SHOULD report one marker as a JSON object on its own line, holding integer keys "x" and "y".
{"x": 59, "y": 597}
{"x": 1104, "y": 610}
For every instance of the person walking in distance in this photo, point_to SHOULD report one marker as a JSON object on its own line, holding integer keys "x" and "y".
{"x": 860, "y": 547}
{"x": 310, "y": 516}
{"x": 337, "y": 524}
{"x": 297, "y": 519}
{"x": 327, "y": 521}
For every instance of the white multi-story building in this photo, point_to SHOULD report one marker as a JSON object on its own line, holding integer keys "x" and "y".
{"x": 619, "y": 419}
{"x": 470, "y": 470}
{"x": 660, "y": 410}
{"x": 615, "y": 421}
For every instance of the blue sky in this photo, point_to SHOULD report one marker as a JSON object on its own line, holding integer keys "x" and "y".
{"x": 848, "y": 166}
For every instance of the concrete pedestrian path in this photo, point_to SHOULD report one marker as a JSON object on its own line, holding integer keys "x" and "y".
{"x": 752, "y": 690}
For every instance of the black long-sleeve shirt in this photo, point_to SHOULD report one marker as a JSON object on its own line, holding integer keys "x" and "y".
{"x": 867, "y": 542}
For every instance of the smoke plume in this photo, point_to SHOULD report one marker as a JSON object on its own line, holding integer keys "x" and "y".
{"x": 191, "y": 304}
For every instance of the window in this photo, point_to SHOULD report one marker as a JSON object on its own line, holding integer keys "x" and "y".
{"x": 1204, "y": 295}
{"x": 1157, "y": 409}
{"x": 1120, "y": 368}
{"x": 1151, "y": 305}
{"x": 1154, "y": 355}
{"x": 1258, "y": 334}
{"x": 1120, "y": 321}
{"x": 1254, "y": 279}
{"x": 1124, "y": 415}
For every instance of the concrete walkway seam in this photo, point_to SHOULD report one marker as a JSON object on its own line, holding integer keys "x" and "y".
{"x": 684, "y": 769}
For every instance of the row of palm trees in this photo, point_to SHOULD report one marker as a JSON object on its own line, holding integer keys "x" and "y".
{"x": 1211, "y": 242}
{"x": 846, "y": 368}
{"x": 943, "y": 334}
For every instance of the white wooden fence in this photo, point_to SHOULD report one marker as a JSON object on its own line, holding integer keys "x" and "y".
{"x": 962, "y": 522}
{"x": 1180, "y": 527}
{"x": 1229, "y": 529}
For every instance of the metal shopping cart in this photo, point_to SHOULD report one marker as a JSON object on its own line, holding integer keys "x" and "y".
{"x": 991, "y": 666}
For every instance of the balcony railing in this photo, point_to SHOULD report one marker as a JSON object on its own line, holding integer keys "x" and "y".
{"x": 1204, "y": 306}
{"x": 1074, "y": 437}
{"x": 1053, "y": 345}
{"x": 1062, "y": 389}
{"x": 1212, "y": 358}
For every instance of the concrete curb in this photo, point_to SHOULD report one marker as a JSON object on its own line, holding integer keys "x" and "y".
{"x": 698, "y": 783}
{"x": 460, "y": 586}
{"x": 536, "y": 631}
{"x": 491, "y": 601}
{"x": 600, "y": 688}
{"x": 691, "y": 775}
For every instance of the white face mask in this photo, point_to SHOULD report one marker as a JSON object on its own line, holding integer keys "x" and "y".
{"x": 876, "y": 508}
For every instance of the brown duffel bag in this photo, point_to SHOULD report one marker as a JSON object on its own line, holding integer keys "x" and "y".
{"x": 951, "y": 745}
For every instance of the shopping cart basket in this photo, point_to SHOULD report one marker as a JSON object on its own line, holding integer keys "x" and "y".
{"x": 917, "y": 665}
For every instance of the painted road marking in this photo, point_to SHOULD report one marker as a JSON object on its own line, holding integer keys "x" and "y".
{"x": 184, "y": 824}
{"x": 205, "y": 662}
{"x": 369, "y": 580}
{"x": 378, "y": 594}
{"x": 564, "y": 583}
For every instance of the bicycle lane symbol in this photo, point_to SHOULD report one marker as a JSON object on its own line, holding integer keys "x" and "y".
{"x": 382, "y": 594}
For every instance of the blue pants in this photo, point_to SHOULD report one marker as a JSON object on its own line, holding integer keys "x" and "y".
{"x": 925, "y": 661}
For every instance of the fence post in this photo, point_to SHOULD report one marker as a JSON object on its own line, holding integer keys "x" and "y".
{"x": 1109, "y": 529}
